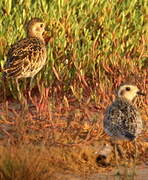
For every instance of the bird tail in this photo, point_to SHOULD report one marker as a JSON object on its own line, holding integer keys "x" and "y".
{"x": 130, "y": 136}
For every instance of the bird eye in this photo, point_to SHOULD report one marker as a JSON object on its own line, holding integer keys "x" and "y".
{"x": 41, "y": 25}
{"x": 128, "y": 89}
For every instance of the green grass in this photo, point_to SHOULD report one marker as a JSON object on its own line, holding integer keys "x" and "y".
{"x": 92, "y": 41}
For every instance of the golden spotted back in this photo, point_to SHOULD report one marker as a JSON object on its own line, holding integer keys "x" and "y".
{"x": 122, "y": 119}
{"x": 27, "y": 57}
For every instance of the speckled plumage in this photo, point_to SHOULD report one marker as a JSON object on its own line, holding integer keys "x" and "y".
{"x": 27, "y": 57}
{"x": 122, "y": 119}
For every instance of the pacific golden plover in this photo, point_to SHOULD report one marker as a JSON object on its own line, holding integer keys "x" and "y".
{"x": 27, "y": 57}
{"x": 122, "y": 119}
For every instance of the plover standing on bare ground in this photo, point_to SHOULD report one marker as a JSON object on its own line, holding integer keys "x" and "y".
{"x": 122, "y": 119}
{"x": 28, "y": 56}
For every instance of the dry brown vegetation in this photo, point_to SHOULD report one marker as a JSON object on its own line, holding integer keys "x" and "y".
{"x": 51, "y": 138}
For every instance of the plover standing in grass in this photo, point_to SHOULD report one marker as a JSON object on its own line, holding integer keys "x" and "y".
{"x": 122, "y": 119}
{"x": 28, "y": 56}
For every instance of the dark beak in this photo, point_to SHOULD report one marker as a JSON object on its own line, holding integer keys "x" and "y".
{"x": 141, "y": 93}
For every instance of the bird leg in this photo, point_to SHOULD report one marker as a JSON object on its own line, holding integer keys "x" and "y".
{"x": 136, "y": 152}
{"x": 21, "y": 97}
{"x": 30, "y": 85}
{"x": 31, "y": 82}
{"x": 114, "y": 142}
{"x": 18, "y": 89}
{"x": 119, "y": 152}
{"x": 116, "y": 154}
{"x": 135, "y": 157}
